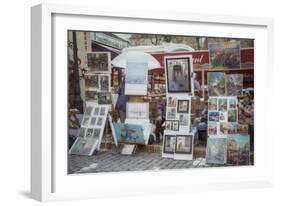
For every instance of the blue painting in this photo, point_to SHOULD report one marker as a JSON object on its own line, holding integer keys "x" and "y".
{"x": 129, "y": 133}
{"x": 136, "y": 73}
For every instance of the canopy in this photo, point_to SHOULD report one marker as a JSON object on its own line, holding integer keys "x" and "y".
{"x": 121, "y": 59}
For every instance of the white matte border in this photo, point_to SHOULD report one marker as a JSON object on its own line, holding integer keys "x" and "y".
{"x": 57, "y": 184}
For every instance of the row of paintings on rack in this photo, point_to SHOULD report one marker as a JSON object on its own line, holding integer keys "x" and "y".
{"x": 91, "y": 130}
{"x": 221, "y": 84}
{"x": 231, "y": 150}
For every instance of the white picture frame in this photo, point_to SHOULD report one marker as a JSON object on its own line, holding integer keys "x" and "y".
{"x": 49, "y": 179}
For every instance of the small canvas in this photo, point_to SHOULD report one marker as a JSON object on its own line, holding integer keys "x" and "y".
{"x": 224, "y": 55}
{"x": 216, "y": 83}
{"x": 98, "y": 62}
{"x": 238, "y": 149}
{"x": 171, "y": 113}
{"x": 214, "y": 116}
{"x": 213, "y": 103}
{"x": 169, "y": 144}
{"x": 223, "y": 104}
{"x": 172, "y": 101}
{"x": 234, "y": 84}
{"x": 104, "y": 82}
{"x": 129, "y": 133}
{"x": 183, "y": 144}
{"x": 216, "y": 150}
{"x": 212, "y": 128}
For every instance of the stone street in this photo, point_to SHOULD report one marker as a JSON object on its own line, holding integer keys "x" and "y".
{"x": 113, "y": 161}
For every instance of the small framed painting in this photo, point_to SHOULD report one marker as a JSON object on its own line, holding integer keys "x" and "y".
{"x": 98, "y": 62}
{"x": 183, "y": 144}
{"x": 183, "y": 106}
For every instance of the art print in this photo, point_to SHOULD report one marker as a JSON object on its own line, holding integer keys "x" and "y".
{"x": 214, "y": 116}
{"x": 92, "y": 82}
{"x": 104, "y": 82}
{"x": 238, "y": 149}
{"x": 172, "y": 101}
{"x": 234, "y": 84}
{"x": 78, "y": 146}
{"x": 175, "y": 125}
{"x": 178, "y": 74}
{"x": 85, "y": 121}
{"x": 168, "y": 125}
{"x": 232, "y": 103}
{"x": 183, "y": 144}
{"x": 96, "y": 111}
{"x": 136, "y": 72}
{"x": 243, "y": 129}
{"x": 104, "y": 98}
{"x": 183, "y": 106}
{"x": 98, "y": 61}
{"x": 91, "y": 96}
{"x": 169, "y": 143}
{"x": 82, "y": 131}
{"x": 223, "y": 127}
{"x": 96, "y": 133}
{"x": 232, "y": 115}
{"x": 93, "y": 121}
{"x": 171, "y": 113}
{"x": 232, "y": 128}
{"x": 99, "y": 121}
{"x": 102, "y": 111}
{"x": 224, "y": 55}
{"x": 212, "y": 128}
{"x": 216, "y": 83}
{"x": 89, "y": 133}
{"x": 222, "y": 104}
{"x": 88, "y": 111}
{"x": 213, "y": 104}
{"x": 129, "y": 133}
{"x": 216, "y": 151}
{"x": 223, "y": 116}
{"x": 183, "y": 119}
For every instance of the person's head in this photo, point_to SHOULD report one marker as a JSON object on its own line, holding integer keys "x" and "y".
{"x": 247, "y": 98}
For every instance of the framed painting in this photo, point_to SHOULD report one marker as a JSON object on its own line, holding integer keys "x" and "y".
{"x": 178, "y": 74}
{"x": 98, "y": 62}
{"x": 183, "y": 144}
{"x": 50, "y": 177}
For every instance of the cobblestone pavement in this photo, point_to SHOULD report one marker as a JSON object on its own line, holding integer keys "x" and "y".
{"x": 115, "y": 162}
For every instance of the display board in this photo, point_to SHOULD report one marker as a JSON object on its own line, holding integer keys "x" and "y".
{"x": 178, "y": 139}
{"x": 91, "y": 130}
{"x": 228, "y": 141}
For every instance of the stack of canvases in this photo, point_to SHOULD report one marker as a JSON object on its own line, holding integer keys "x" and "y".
{"x": 98, "y": 101}
{"x": 228, "y": 142}
{"x": 178, "y": 140}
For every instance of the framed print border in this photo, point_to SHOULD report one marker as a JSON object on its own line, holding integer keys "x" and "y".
{"x": 50, "y": 182}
